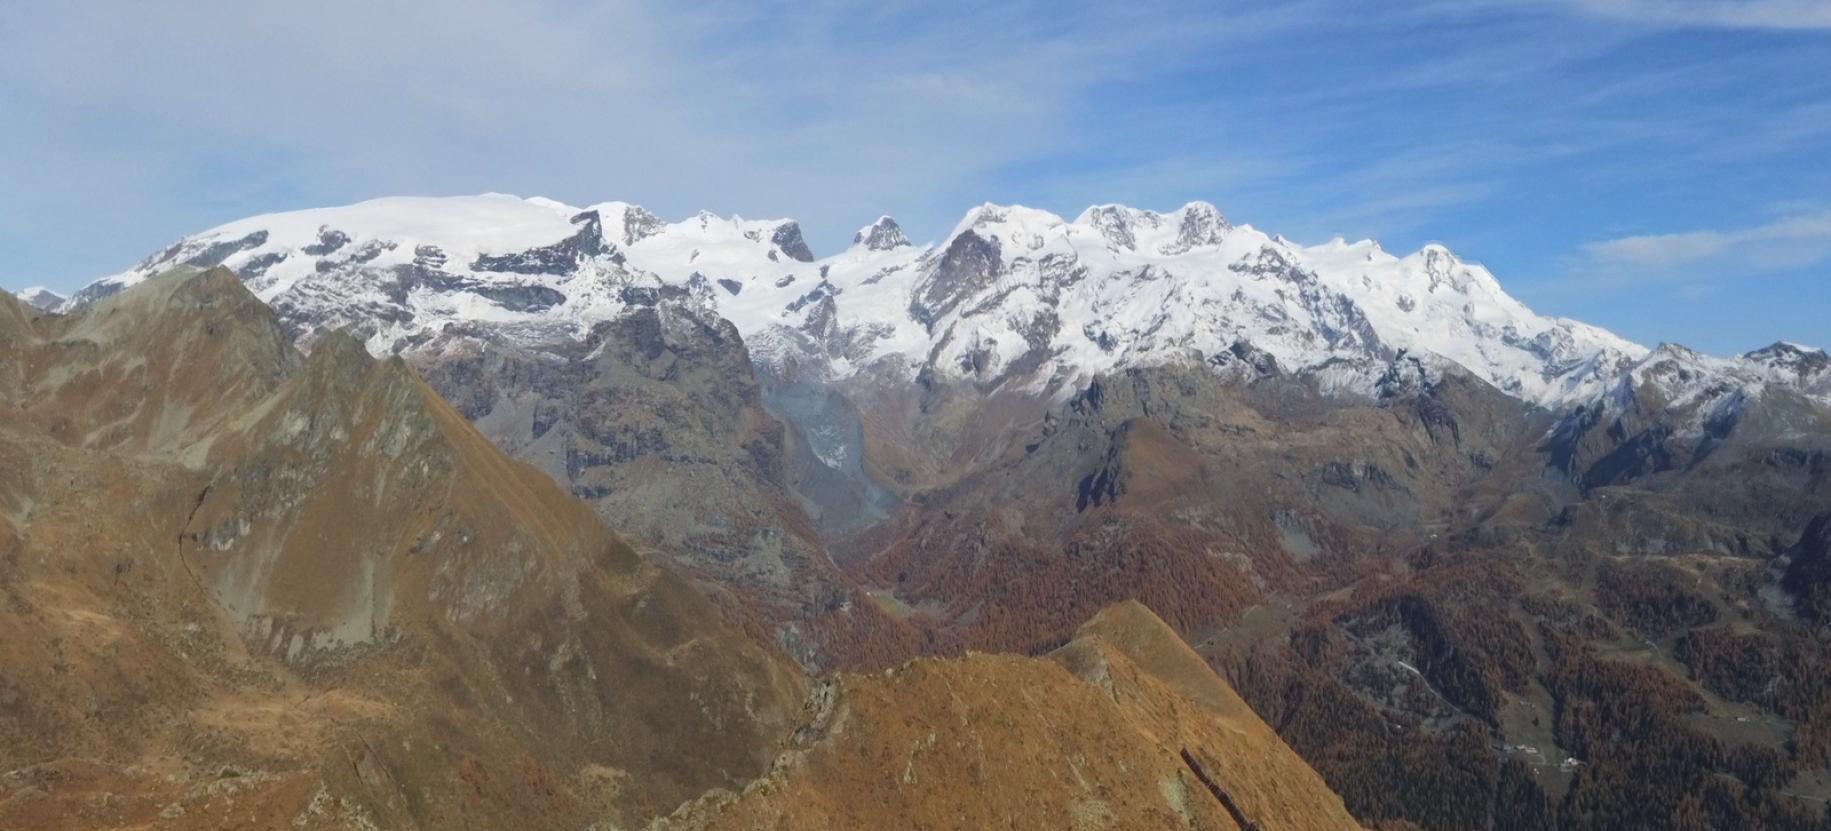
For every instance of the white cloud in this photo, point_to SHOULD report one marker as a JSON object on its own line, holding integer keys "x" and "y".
{"x": 1790, "y": 242}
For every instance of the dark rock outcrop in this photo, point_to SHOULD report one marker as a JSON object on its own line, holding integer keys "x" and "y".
{"x": 560, "y": 258}
{"x": 882, "y": 235}
{"x": 787, "y": 238}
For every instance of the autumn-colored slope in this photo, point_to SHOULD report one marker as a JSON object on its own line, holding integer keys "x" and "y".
{"x": 245, "y": 589}
{"x": 1125, "y": 727}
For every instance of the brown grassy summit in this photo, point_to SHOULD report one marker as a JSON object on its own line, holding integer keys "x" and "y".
{"x": 1122, "y": 728}
{"x": 151, "y": 371}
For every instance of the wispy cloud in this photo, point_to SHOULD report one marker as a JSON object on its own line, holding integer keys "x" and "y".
{"x": 832, "y": 112}
{"x": 1789, "y": 242}
{"x": 1733, "y": 14}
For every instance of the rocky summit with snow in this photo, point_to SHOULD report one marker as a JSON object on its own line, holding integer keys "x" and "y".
{"x": 1012, "y": 296}
{"x": 40, "y": 298}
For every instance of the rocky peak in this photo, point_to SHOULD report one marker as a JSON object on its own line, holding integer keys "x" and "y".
{"x": 1672, "y": 366}
{"x": 155, "y": 370}
{"x": 1196, "y": 224}
{"x": 639, "y": 224}
{"x": 1201, "y": 225}
{"x": 1698, "y": 393}
{"x": 1116, "y": 223}
{"x": 1441, "y": 266}
{"x": 986, "y": 214}
{"x": 992, "y": 219}
{"x": 1802, "y": 364}
{"x": 40, "y": 298}
{"x": 970, "y": 263}
{"x": 882, "y": 235}
{"x": 787, "y": 238}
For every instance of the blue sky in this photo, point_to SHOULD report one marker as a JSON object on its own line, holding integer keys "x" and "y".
{"x": 1658, "y": 167}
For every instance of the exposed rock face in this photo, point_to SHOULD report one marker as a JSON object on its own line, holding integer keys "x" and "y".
{"x": 562, "y": 257}
{"x": 882, "y": 235}
{"x": 787, "y": 238}
{"x": 1114, "y": 222}
{"x": 657, "y": 420}
{"x": 1036, "y": 743}
{"x": 1804, "y": 366}
{"x": 1201, "y": 225}
{"x": 967, "y": 266}
{"x": 826, "y": 453}
{"x": 1197, "y": 224}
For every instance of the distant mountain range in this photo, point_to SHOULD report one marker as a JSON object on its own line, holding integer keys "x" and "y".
{"x": 1011, "y": 296}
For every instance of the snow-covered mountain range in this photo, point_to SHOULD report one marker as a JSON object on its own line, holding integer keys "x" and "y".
{"x": 1011, "y": 296}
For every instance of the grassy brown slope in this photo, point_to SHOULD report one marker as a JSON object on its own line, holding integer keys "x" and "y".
{"x": 154, "y": 370}
{"x": 320, "y": 599}
{"x": 1123, "y": 728}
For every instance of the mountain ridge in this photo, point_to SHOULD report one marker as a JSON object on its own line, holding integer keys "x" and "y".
{"x": 1011, "y": 294}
